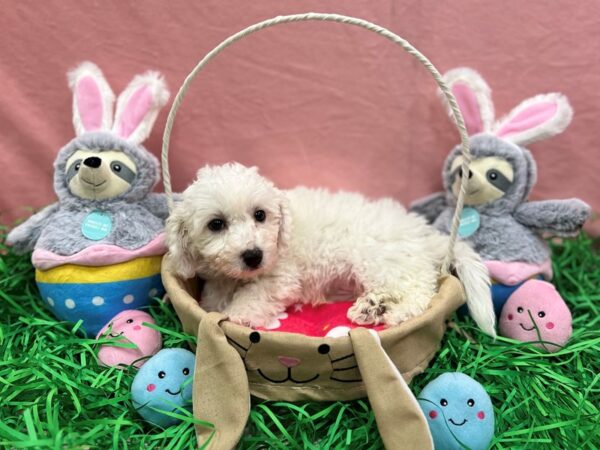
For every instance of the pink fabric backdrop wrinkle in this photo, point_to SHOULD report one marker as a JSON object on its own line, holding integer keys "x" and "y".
{"x": 318, "y": 104}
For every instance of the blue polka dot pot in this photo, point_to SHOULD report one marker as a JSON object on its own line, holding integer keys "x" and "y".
{"x": 97, "y": 294}
{"x": 164, "y": 384}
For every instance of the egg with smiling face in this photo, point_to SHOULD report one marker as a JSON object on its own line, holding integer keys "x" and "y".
{"x": 537, "y": 313}
{"x": 459, "y": 412}
{"x": 164, "y": 383}
{"x": 129, "y": 327}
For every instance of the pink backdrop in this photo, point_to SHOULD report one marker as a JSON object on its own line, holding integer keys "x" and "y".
{"x": 311, "y": 103}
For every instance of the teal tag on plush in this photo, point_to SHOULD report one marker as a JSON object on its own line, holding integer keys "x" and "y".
{"x": 96, "y": 225}
{"x": 469, "y": 222}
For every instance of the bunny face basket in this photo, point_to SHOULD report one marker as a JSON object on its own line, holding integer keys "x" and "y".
{"x": 234, "y": 362}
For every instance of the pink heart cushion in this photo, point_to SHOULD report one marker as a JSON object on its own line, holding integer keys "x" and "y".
{"x": 328, "y": 320}
{"x": 129, "y": 326}
{"x": 537, "y": 313}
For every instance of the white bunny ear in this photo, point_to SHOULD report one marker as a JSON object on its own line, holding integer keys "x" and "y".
{"x": 536, "y": 118}
{"x": 138, "y": 106}
{"x": 474, "y": 98}
{"x": 92, "y": 98}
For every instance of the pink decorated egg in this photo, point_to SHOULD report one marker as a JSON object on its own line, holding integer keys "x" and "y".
{"x": 537, "y": 313}
{"x": 128, "y": 327}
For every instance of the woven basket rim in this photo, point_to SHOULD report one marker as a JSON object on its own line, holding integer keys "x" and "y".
{"x": 184, "y": 301}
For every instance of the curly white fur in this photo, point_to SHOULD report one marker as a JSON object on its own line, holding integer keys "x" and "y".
{"x": 391, "y": 257}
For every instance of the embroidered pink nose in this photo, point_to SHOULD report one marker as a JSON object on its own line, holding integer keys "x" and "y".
{"x": 288, "y": 361}
{"x": 137, "y": 327}
{"x": 150, "y": 387}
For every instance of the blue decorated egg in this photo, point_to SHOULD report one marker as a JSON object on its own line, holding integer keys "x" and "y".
{"x": 97, "y": 294}
{"x": 459, "y": 412}
{"x": 164, "y": 383}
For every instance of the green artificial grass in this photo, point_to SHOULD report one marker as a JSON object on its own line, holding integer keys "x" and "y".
{"x": 53, "y": 393}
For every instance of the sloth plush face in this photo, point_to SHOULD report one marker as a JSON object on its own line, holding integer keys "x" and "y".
{"x": 489, "y": 179}
{"x": 99, "y": 175}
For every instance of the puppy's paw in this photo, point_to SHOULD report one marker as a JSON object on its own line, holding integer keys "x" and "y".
{"x": 368, "y": 309}
{"x": 242, "y": 314}
{"x": 248, "y": 320}
{"x": 240, "y": 320}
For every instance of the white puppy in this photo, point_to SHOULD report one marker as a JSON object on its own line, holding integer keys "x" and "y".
{"x": 261, "y": 249}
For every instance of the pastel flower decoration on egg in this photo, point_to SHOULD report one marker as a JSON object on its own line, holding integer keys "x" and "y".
{"x": 459, "y": 412}
{"x": 537, "y": 313}
{"x": 128, "y": 327}
{"x": 164, "y": 383}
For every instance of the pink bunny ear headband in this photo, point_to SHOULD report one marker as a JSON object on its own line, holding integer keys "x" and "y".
{"x": 137, "y": 106}
{"x": 534, "y": 119}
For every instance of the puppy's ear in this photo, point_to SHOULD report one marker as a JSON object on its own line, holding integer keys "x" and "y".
{"x": 179, "y": 243}
{"x": 285, "y": 221}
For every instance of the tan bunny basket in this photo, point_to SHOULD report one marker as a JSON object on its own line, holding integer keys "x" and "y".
{"x": 231, "y": 359}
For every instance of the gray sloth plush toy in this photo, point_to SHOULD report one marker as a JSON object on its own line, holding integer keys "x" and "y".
{"x": 498, "y": 220}
{"x": 98, "y": 250}
{"x": 103, "y": 178}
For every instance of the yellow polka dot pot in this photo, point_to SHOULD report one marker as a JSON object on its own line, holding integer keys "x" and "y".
{"x": 96, "y": 294}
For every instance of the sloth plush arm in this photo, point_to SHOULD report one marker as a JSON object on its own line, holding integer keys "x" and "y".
{"x": 23, "y": 237}
{"x": 562, "y": 218}
{"x": 157, "y": 204}
{"x": 431, "y": 206}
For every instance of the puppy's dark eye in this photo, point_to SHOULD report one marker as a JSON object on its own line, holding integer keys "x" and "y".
{"x": 216, "y": 225}
{"x": 186, "y": 371}
{"x": 77, "y": 166}
{"x": 470, "y": 402}
{"x": 116, "y": 167}
{"x": 129, "y": 320}
{"x": 161, "y": 374}
{"x": 541, "y": 314}
{"x": 260, "y": 215}
{"x": 444, "y": 402}
{"x": 519, "y": 310}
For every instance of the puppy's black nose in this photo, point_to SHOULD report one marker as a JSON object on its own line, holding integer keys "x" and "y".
{"x": 253, "y": 258}
{"x": 92, "y": 161}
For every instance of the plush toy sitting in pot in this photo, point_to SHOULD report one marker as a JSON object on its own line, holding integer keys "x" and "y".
{"x": 498, "y": 220}
{"x": 98, "y": 250}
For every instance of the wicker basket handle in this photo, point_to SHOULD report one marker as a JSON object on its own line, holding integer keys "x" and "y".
{"x": 350, "y": 21}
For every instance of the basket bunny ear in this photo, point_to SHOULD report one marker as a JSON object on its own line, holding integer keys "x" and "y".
{"x": 138, "y": 106}
{"x": 474, "y": 98}
{"x": 536, "y": 118}
{"x": 92, "y": 99}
